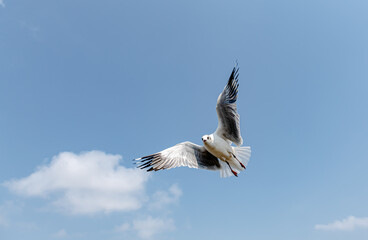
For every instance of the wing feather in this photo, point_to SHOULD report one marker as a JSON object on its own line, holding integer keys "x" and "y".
{"x": 229, "y": 119}
{"x": 183, "y": 154}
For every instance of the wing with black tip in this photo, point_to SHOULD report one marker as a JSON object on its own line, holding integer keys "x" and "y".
{"x": 228, "y": 117}
{"x": 183, "y": 154}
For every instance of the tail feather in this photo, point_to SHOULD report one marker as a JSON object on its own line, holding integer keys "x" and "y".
{"x": 225, "y": 170}
{"x": 242, "y": 154}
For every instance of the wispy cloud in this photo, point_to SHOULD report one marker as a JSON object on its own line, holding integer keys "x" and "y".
{"x": 7, "y": 209}
{"x": 3, "y": 221}
{"x": 348, "y": 224}
{"x": 85, "y": 183}
{"x": 149, "y": 227}
{"x": 60, "y": 234}
{"x": 161, "y": 199}
{"x": 32, "y": 29}
{"x": 123, "y": 227}
{"x": 2, "y": 4}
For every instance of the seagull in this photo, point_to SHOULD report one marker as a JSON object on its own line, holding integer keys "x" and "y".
{"x": 217, "y": 153}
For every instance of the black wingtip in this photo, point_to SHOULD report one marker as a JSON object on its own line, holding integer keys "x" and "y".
{"x": 148, "y": 161}
{"x": 234, "y": 74}
{"x": 236, "y": 63}
{"x": 233, "y": 85}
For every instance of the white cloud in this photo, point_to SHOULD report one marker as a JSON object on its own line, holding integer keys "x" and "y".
{"x": 60, "y": 234}
{"x": 348, "y": 224}
{"x": 2, "y": 3}
{"x": 149, "y": 227}
{"x": 163, "y": 198}
{"x": 85, "y": 183}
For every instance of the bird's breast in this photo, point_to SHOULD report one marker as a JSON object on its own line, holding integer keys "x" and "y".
{"x": 220, "y": 149}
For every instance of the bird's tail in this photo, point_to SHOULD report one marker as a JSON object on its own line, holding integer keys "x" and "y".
{"x": 238, "y": 163}
{"x": 242, "y": 154}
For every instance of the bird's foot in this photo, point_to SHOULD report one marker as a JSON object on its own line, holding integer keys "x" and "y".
{"x": 235, "y": 173}
{"x": 242, "y": 165}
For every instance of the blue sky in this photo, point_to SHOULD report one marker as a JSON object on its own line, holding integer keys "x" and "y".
{"x": 87, "y": 86}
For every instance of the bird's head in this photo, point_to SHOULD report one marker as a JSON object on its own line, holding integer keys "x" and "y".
{"x": 207, "y": 139}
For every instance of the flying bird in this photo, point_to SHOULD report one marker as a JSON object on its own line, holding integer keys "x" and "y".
{"x": 216, "y": 152}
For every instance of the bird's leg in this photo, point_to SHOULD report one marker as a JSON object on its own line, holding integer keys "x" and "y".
{"x": 232, "y": 170}
{"x": 239, "y": 161}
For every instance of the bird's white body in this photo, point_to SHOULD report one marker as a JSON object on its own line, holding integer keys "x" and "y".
{"x": 218, "y": 147}
{"x": 232, "y": 159}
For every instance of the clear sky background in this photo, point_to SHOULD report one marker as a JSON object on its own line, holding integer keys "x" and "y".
{"x": 87, "y": 86}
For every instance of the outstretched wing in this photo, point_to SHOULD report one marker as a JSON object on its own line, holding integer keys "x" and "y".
{"x": 228, "y": 117}
{"x": 182, "y": 154}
